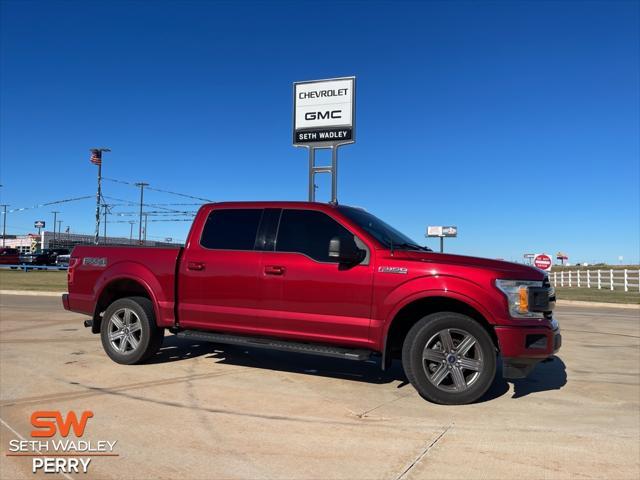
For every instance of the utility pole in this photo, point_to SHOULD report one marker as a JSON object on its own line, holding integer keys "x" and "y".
{"x": 141, "y": 185}
{"x": 131, "y": 222}
{"x": 105, "y": 212}
{"x": 96, "y": 159}
{"x": 4, "y": 223}
{"x": 55, "y": 215}
{"x": 59, "y": 229}
{"x": 145, "y": 228}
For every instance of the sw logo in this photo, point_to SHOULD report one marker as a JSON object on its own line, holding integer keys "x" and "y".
{"x": 49, "y": 422}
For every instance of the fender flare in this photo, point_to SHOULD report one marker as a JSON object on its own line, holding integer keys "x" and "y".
{"x": 118, "y": 272}
{"x": 436, "y": 292}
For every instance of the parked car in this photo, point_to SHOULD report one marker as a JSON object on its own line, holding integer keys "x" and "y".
{"x": 326, "y": 280}
{"x": 43, "y": 257}
{"x": 9, "y": 256}
{"x": 62, "y": 261}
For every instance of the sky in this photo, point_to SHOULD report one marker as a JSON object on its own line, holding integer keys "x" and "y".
{"x": 516, "y": 121}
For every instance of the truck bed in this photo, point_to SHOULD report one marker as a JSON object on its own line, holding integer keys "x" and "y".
{"x": 93, "y": 269}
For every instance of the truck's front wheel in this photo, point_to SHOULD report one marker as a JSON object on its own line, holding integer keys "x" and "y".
{"x": 128, "y": 331}
{"x": 449, "y": 358}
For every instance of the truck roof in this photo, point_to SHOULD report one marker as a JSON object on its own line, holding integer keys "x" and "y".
{"x": 274, "y": 204}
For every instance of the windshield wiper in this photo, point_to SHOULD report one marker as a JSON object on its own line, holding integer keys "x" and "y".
{"x": 412, "y": 246}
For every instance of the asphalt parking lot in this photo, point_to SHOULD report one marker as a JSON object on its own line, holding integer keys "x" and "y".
{"x": 208, "y": 411}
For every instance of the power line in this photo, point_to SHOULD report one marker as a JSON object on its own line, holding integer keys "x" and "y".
{"x": 115, "y": 180}
{"x": 154, "y": 220}
{"x": 128, "y": 202}
{"x": 151, "y": 213}
{"x": 40, "y": 205}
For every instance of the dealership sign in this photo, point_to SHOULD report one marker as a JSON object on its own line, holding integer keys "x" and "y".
{"x": 543, "y": 262}
{"x": 323, "y": 112}
{"x": 442, "y": 231}
{"x": 39, "y": 224}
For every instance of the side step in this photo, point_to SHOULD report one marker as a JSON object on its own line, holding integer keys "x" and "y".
{"x": 273, "y": 344}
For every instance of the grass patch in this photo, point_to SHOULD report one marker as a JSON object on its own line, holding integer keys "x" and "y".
{"x": 39, "y": 281}
{"x": 595, "y": 295}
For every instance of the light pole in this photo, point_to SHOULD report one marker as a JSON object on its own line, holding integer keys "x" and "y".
{"x": 4, "y": 223}
{"x": 131, "y": 222}
{"x": 55, "y": 215}
{"x": 96, "y": 159}
{"x": 141, "y": 185}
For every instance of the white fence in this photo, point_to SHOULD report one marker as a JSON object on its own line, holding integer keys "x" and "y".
{"x": 627, "y": 279}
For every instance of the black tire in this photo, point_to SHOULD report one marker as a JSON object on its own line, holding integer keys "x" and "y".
{"x": 148, "y": 337}
{"x": 477, "y": 365}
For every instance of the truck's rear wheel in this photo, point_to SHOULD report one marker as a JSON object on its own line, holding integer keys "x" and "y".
{"x": 449, "y": 358}
{"x": 129, "y": 332}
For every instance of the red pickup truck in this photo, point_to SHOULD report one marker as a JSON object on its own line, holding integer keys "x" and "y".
{"x": 320, "y": 279}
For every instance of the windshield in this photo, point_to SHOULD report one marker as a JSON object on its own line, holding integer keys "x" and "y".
{"x": 385, "y": 234}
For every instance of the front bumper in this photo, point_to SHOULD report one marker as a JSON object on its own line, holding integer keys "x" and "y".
{"x": 524, "y": 347}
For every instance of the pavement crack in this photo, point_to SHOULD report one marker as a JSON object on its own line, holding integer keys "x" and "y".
{"x": 366, "y": 413}
{"x": 407, "y": 470}
{"x": 601, "y": 333}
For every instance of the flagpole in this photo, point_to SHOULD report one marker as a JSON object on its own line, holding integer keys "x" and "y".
{"x": 96, "y": 159}
{"x": 98, "y": 194}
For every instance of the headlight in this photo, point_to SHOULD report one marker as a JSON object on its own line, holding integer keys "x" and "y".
{"x": 517, "y": 293}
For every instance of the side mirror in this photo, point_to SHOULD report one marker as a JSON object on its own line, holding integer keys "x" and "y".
{"x": 334, "y": 248}
{"x": 345, "y": 255}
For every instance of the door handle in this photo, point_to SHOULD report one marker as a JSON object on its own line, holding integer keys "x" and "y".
{"x": 195, "y": 266}
{"x": 274, "y": 270}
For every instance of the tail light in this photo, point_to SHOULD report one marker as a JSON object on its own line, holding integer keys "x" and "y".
{"x": 73, "y": 261}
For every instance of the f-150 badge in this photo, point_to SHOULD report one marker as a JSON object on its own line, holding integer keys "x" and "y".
{"x": 95, "y": 261}
{"x": 401, "y": 270}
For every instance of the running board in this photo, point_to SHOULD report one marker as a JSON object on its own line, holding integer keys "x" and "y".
{"x": 273, "y": 344}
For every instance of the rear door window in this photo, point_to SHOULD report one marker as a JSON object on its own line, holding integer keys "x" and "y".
{"x": 231, "y": 229}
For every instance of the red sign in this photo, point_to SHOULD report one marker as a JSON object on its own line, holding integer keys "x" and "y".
{"x": 543, "y": 261}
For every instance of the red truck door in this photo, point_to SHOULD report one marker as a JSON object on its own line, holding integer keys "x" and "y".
{"x": 219, "y": 275}
{"x": 306, "y": 292}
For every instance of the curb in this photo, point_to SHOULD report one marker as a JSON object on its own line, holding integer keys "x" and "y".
{"x": 579, "y": 303}
{"x": 31, "y": 293}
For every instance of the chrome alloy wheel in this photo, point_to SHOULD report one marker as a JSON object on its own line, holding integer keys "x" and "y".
{"x": 125, "y": 331}
{"x": 452, "y": 360}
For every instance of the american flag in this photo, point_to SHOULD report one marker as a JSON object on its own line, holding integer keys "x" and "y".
{"x": 96, "y": 157}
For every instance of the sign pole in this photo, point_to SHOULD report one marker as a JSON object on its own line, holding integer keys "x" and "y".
{"x": 334, "y": 174}
{"x": 441, "y": 244}
{"x": 312, "y": 166}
